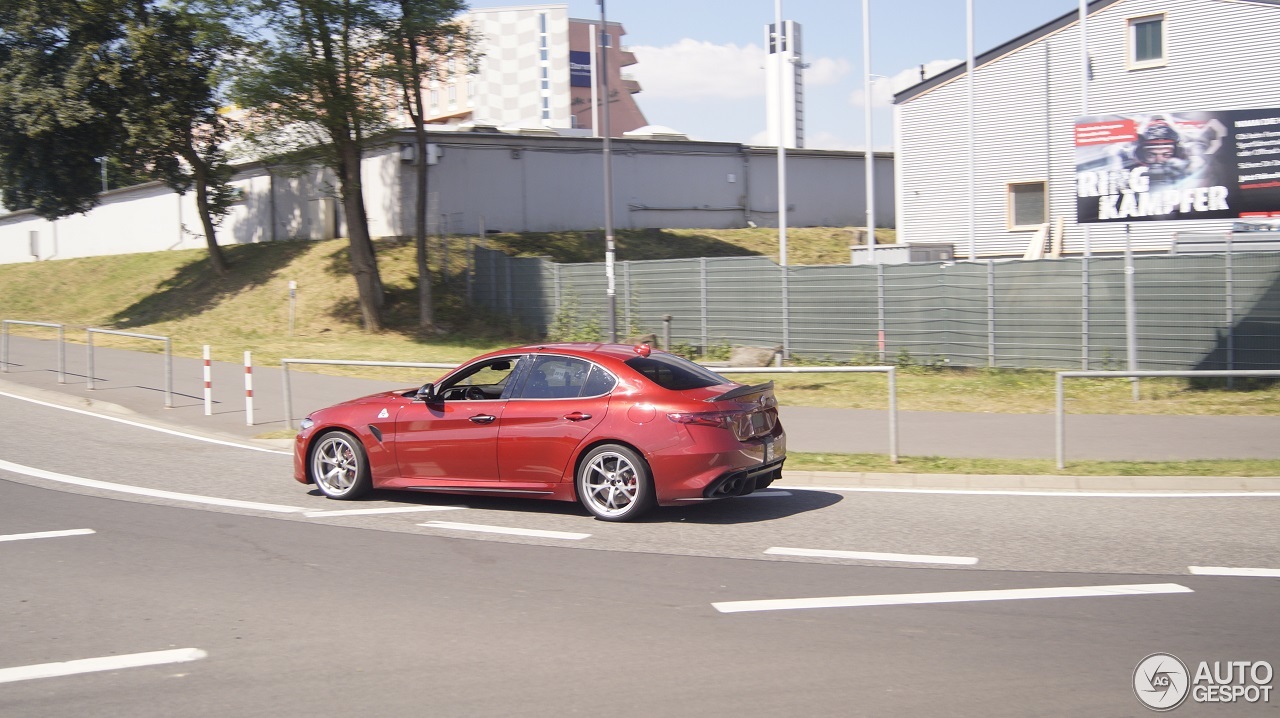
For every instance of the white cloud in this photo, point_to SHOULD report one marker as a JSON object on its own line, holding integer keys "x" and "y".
{"x": 883, "y": 89}
{"x": 693, "y": 69}
{"x": 826, "y": 71}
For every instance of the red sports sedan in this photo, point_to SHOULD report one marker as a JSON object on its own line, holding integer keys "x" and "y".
{"x": 618, "y": 428}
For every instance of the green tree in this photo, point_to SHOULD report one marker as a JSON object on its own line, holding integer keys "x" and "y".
{"x": 124, "y": 87}
{"x": 312, "y": 76}
{"x": 58, "y": 109}
{"x": 172, "y": 129}
{"x": 419, "y": 37}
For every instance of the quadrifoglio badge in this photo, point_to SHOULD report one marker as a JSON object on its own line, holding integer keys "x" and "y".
{"x": 1162, "y": 682}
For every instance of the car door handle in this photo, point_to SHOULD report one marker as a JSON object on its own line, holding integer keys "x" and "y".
{"x": 577, "y": 416}
{"x": 483, "y": 419}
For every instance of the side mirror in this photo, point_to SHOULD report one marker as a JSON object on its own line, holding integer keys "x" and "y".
{"x": 426, "y": 394}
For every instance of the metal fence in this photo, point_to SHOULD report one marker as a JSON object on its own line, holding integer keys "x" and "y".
{"x": 1202, "y": 311}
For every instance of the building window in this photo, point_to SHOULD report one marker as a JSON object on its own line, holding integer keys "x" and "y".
{"x": 542, "y": 22}
{"x": 1027, "y": 207}
{"x": 543, "y": 55}
{"x": 606, "y": 40}
{"x": 453, "y": 94}
{"x": 1146, "y": 41}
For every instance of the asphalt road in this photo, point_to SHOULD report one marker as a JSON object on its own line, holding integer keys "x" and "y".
{"x": 375, "y": 614}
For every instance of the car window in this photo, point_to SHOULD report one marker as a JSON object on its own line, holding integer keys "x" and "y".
{"x": 556, "y": 377}
{"x": 490, "y": 377}
{"x": 599, "y": 382}
{"x": 672, "y": 372}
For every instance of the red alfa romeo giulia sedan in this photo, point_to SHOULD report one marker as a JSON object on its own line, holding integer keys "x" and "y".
{"x": 618, "y": 428}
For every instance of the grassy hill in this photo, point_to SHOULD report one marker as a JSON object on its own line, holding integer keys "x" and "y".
{"x": 176, "y": 294}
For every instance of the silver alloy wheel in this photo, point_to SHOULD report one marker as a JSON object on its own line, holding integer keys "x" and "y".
{"x": 612, "y": 483}
{"x": 335, "y": 465}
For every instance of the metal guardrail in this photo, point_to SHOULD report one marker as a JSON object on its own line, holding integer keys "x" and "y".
{"x": 288, "y": 393}
{"x": 893, "y": 387}
{"x": 168, "y": 358}
{"x": 891, "y": 371}
{"x": 1060, "y": 424}
{"x": 62, "y": 351}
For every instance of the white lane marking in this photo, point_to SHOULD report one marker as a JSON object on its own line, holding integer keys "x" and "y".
{"x": 1064, "y": 492}
{"x": 370, "y": 512}
{"x": 1228, "y": 571}
{"x": 155, "y": 493}
{"x": 106, "y": 663}
{"x": 766, "y": 493}
{"x": 902, "y": 599}
{"x": 141, "y": 425}
{"x": 505, "y": 530}
{"x": 869, "y": 556}
{"x": 46, "y": 534}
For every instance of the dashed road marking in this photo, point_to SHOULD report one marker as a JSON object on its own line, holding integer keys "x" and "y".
{"x": 140, "y": 491}
{"x": 766, "y": 494}
{"x": 870, "y": 556}
{"x": 903, "y": 599}
{"x": 372, "y": 512}
{"x": 537, "y": 533}
{"x": 46, "y": 534}
{"x": 1228, "y": 571}
{"x": 106, "y": 663}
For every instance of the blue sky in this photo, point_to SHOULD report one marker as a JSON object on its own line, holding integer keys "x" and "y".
{"x": 700, "y": 60}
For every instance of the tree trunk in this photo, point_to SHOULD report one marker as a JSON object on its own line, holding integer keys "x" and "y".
{"x": 364, "y": 262}
{"x": 201, "y": 172}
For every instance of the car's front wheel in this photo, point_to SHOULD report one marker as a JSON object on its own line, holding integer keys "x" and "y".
{"x": 614, "y": 484}
{"x": 340, "y": 466}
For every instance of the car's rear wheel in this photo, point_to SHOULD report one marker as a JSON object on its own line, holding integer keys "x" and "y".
{"x": 340, "y": 466}
{"x": 614, "y": 484}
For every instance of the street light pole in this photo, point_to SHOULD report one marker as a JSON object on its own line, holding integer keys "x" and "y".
{"x": 608, "y": 182}
{"x": 778, "y": 39}
{"x": 868, "y": 157}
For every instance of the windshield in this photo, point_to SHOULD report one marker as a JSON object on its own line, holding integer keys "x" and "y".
{"x": 672, "y": 372}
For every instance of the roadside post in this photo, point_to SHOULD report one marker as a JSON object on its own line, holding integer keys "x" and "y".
{"x": 208, "y": 383}
{"x": 248, "y": 388}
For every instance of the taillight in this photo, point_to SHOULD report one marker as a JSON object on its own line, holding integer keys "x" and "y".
{"x": 721, "y": 419}
{"x": 739, "y": 422}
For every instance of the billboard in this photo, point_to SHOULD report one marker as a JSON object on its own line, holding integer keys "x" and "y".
{"x": 579, "y": 68}
{"x": 1164, "y": 166}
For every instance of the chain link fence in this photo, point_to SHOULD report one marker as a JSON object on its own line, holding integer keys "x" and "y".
{"x": 1198, "y": 311}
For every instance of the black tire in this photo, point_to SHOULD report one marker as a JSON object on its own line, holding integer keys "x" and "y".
{"x": 340, "y": 466}
{"x": 614, "y": 483}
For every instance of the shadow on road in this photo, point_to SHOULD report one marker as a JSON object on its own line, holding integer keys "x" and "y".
{"x": 769, "y": 505}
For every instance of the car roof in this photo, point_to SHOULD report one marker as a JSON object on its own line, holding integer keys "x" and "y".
{"x": 586, "y": 350}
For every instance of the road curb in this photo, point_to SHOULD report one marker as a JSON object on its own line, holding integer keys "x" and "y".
{"x": 850, "y": 479}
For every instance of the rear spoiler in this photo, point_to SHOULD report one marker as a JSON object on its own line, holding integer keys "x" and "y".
{"x": 743, "y": 391}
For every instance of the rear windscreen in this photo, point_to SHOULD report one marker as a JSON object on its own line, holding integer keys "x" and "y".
{"x": 672, "y": 372}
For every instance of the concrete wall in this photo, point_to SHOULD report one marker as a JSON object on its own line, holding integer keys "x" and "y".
{"x": 505, "y": 182}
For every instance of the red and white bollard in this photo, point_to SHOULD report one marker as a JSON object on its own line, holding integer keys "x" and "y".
{"x": 208, "y": 383}
{"x": 248, "y": 388}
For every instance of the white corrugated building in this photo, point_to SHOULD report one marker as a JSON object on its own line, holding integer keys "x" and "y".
{"x": 1144, "y": 56}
